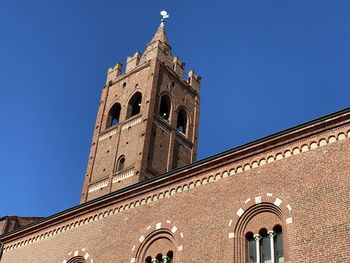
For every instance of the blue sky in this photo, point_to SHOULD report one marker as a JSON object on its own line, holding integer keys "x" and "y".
{"x": 265, "y": 66}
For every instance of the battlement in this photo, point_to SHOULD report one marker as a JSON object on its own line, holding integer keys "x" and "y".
{"x": 133, "y": 61}
{"x": 114, "y": 72}
{"x": 194, "y": 80}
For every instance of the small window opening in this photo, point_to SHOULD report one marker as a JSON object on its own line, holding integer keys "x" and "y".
{"x": 121, "y": 164}
{"x": 181, "y": 121}
{"x": 134, "y": 106}
{"x": 164, "y": 108}
{"x": 114, "y": 115}
{"x": 148, "y": 260}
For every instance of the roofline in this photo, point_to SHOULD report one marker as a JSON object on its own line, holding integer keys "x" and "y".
{"x": 183, "y": 168}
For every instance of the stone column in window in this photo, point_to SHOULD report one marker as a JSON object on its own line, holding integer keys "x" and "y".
{"x": 257, "y": 240}
{"x": 154, "y": 260}
{"x": 165, "y": 259}
{"x": 272, "y": 245}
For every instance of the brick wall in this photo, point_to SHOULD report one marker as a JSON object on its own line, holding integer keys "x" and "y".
{"x": 299, "y": 179}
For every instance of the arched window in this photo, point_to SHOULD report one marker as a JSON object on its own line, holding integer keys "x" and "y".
{"x": 266, "y": 247}
{"x": 157, "y": 247}
{"x": 77, "y": 259}
{"x": 164, "y": 108}
{"x": 134, "y": 106}
{"x": 181, "y": 121}
{"x": 121, "y": 163}
{"x": 114, "y": 115}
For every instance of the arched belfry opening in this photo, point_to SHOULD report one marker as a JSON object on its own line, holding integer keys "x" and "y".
{"x": 165, "y": 107}
{"x": 181, "y": 124}
{"x": 114, "y": 115}
{"x": 134, "y": 105}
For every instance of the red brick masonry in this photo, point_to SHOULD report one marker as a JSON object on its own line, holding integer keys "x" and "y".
{"x": 298, "y": 178}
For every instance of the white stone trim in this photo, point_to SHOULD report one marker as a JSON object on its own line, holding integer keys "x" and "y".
{"x": 122, "y": 175}
{"x": 97, "y": 186}
{"x": 240, "y": 212}
{"x": 131, "y": 123}
{"x": 108, "y": 134}
{"x": 278, "y": 202}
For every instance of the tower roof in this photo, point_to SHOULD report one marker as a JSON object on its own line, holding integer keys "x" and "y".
{"x": 160, "y": 35}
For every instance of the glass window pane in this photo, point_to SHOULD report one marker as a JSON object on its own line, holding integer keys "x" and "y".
{"x": 279, "y": 248}
{"x": 252, "y": 251}
{"x": 265, "y": 250}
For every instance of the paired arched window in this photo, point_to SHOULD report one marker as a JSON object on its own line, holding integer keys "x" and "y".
{"x": 168, "y": 258}
{"x": 164, "y": 107}
{"x": 181, "y": 124}
{"x": 134, "y": 106}
{"x": 114, "y": 115}
{"x": 121, "y": 163}
{"x": 266, "y": 246}
{"x": 77, "y": 259}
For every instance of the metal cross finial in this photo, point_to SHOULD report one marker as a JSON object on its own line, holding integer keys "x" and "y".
{"x": 164, "y": 15}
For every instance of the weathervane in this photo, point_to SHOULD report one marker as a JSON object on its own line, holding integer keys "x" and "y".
{"x": 164, "y": 15}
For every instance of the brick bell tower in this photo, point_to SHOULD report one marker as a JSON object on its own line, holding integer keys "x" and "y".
{"x": 147, "y": 120}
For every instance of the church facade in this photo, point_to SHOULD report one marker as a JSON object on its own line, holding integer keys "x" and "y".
{"x": 145, "y": 198}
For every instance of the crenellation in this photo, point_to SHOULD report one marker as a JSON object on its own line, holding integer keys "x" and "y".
{"x": 194, "y": 80}
{"x": 114, "y": 73}
{"x": 178, "y": 67}
{"x": 133, "y": 61}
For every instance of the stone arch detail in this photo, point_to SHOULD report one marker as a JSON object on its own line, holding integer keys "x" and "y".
{"x": 159, "y": 229}
{"x": 82, "y": 253}
{"x": 251, "y": 207}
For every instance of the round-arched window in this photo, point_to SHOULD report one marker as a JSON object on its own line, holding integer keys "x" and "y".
{"x": 121, "y": 163}
{"x": 134, "y": 105}
{"x": 113, "y": 115}
{"x": 181, "y": 124}
{"x": 164, "y": 107}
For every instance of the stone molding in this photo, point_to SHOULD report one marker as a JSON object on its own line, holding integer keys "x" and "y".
{"x": 123, "y": 175}
{"x": 270, "y": 198}
{"x": 131, "y": 123}
{"x": 162, "y": 126}
{"x": 159, "y": 226}
{"x": 96, "y": 186}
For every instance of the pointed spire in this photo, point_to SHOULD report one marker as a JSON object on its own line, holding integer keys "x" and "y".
{"x": 160, "y": 35}
{"x": 159, "y": 46}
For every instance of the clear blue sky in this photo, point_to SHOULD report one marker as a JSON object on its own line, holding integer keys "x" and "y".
{"x": 266, "y": 66}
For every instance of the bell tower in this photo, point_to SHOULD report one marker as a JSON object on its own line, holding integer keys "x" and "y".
{"x": 147, "y": 120}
